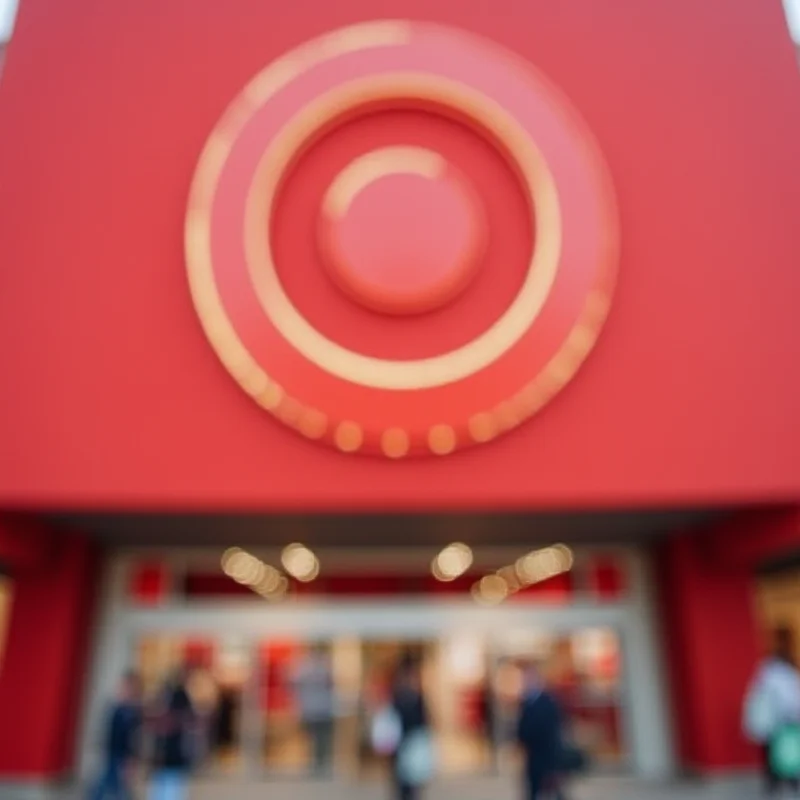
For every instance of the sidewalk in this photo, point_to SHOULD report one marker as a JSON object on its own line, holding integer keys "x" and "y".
{"x": 497, "y": 789}
{"x": 596, "y": 789}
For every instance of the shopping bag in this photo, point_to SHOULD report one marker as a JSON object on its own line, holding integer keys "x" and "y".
{"x": 416, "y": 760}
{"x": 386, "y": 732}
{"x": 784, "y": 753}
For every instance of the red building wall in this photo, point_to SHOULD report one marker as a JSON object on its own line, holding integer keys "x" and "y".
{"x": 111, "y": 395}
{"x": 43, "y": 673}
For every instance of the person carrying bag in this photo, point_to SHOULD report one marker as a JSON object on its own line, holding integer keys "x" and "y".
{"x": 772, "y": 716}
{"x": 413, "y": 763}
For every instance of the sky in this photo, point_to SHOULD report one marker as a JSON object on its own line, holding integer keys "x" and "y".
{"x": 8, "y": 10}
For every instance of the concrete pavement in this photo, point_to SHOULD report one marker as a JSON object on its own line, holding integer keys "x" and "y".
{"x": 496, "y": 789}
{"x": 596, "y": 789}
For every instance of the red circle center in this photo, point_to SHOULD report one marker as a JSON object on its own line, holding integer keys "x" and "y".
{"x": 406, "y": 243}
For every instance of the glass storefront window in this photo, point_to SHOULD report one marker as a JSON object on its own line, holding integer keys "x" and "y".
{"x": 583, "y": 669}
{"x": 219, "y": 678}
{"x": 251, "y": 695}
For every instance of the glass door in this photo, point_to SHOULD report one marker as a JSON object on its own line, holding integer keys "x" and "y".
{"x": 308, "y": 706}
{"x": 296, "y": 708}
{"x": 380, "y": 659}
{"x": 462, "y": 704}
{"x": 583, "y": 669}
{"x": 218, "y": 674}
{"x": 455, "y": 686}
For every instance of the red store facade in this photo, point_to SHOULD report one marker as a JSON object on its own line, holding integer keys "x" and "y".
{"x": 502, "y": 275}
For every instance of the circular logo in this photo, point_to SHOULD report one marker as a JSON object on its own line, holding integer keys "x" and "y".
{"x": 401, "y": 239}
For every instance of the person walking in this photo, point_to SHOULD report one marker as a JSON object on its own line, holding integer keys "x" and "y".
{"x": 316, "y": 696}
{"x": 175, "y": 741}
{"x": 412, "y": 765}
{"x": 121, "y": 743}
{"x": 539, "y": 734}
{"x": 772, "y": 716}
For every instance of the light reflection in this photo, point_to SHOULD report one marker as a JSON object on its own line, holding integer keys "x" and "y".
{"x": 535, "y": 567}
{"x": 248, "y": 570}
{"x": 490, "y": 591}
{"x": 243, "y": 567}
{"x": 541, "y": 565}
{"x": 300, "y": 563}
{"x": 452, "y": 562}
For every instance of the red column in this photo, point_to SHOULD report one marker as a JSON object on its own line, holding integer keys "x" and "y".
{"x": 43, "y": 667}
{"x": 713, "y": 647}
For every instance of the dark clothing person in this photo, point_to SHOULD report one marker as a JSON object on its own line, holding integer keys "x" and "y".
{"x": 225, "y": 733}
{"x": 174, "y": 742}
{"x": 412, "y": 712}
{"x": 487, "y": 714}
{"x": 540, "y": 736}
{"x": 174, "y": 746}
{"x": 120, "y": 751}
{"x": 122, "y": 742}
{"x": 113, "y": 783}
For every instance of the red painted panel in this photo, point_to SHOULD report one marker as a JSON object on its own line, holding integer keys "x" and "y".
{"x": 23, "y": 544}
{"x": 44, "y": 664}
{"x": 708, "y": 615}
{"x": 112, "y": 396}
{"x": 558, "y": 589}
{"x": 376, "y": 584}
{"x": 149, "y": 584}
{"x": 756, "y": 537}
{"x": 199, "y": 653}
{"x": 607, "y": 578}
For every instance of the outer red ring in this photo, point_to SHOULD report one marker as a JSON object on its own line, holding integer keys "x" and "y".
{"x": 353, "y": 417}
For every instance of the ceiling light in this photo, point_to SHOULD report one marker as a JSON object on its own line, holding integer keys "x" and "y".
{"x": 541, "y": 565}
{"x": 300, "y": 563}
{"x": 509, "y": 575}
{"x": 270, "y": 581}
{"x": 491, "y": 590}
{"x": 452, "y": 562}
{"x": 242, "y": 566}
{"x": 275, "y": 592}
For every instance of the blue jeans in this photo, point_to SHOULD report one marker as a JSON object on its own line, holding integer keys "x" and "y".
{"x": 113, "y": 782}
{"x": 169, "y": 784}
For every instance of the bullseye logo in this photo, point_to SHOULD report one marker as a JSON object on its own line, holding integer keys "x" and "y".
{"x": 401, "y": 240}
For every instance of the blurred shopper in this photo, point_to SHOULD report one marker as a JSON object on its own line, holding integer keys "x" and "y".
{"x": 413, "y": 763}
{"x": 488, "y": 720}
{"x": 174, "y": 755}
{"x": 508, "y": 690}
{"x": 225, "y": 719}
{"x": 539, "y": 733}
{"x": 772, "y": 716}
{"x": 122, "y": 739}
{"x": 316, "y": 696}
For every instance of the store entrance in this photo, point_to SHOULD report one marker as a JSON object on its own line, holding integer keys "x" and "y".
{"x": 592, "y": 631}
{"x": 255, "y": 705}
